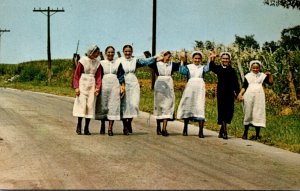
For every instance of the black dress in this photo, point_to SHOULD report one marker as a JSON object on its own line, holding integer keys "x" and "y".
{"x": 227, "y": 89}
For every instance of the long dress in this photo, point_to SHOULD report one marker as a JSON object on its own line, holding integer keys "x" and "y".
{"x": 254, "y": 100}
{"x": 108, "y": 101}
{"x": 192, "y": 103}
{"x": 227, "y": 89}
{"x": 130, "y": 101}
{"x": 164, "y": 96}
{"x": 87, "y": 76}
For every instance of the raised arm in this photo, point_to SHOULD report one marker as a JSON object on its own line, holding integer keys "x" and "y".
{"x": 145, "y": 61}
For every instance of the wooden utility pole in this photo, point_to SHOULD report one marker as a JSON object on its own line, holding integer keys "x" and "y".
{"x": 49, "y": 12}
{"x": 1, "y": 32}
{"x": 153, "y": 39}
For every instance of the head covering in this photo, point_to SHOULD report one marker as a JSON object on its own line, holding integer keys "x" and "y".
{"x": 91, "y": 50}
{"x": 164, "y": 52}
{"x": 225, "y": 53}
{"x": 128, "y": 45}
{"x": 197, "y": 52}
{"x": 254, "y": 62}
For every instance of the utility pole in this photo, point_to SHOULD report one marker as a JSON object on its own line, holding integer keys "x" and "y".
{"x": 48, "y": 12}
{"x": 1, "y": 32}
{"x": 153, "y": 39}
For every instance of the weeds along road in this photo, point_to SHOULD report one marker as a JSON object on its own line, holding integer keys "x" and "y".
{"x": 40, "y": 150}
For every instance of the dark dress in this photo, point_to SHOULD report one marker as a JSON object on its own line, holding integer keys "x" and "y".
{"x": 227, "y": 89}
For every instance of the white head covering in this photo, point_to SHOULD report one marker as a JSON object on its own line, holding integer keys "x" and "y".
{"x": 197, "y": 52}
{"x": 163, "y": 52}
{"x": 225, "y": 53}
{"x": 254, "y": 62}
{"x": 91, "y": 50}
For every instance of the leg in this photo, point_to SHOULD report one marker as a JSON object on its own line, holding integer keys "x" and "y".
{"x": 158, "y": 129}
{"x": 125, "y": 126}
{"x": 129, "y": 125}
{"x": 164, "y": 132}
{"x": 185, "y": 128}
{"x": 78, "y": 130}
{"x": 102, "y": 128}
{"x": 201, "y": 125}
{"x": 257, "y": 130}
{"x": 225, "y": 130}
{"x": 245, "y": 135}
{"x": 110, "y": 127}
{"x": 221, "y": 132}
{"x": 86, "y": 126}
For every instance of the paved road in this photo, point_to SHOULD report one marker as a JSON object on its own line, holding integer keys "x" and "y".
{"x": 40, "y": 150}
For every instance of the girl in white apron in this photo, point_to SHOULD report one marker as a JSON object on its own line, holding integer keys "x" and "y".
{"x": 130, "y": 101}
{"x": 192, "y": 103}
{"x": 108, "y": 102}
{"x": 164, "y": 97}
{"x": 254, "y": 98}
{"x": 87, "y": 83}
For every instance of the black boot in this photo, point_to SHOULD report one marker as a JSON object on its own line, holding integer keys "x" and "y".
{"x": 221, "y": 132}
{"x": 201, "y": 125}
{"x": 185, "y": 128}
{"x": 245, "y": 135}
{"x": 257, "y": 130}
{"x": 158, "y": 129}
{"x": 164, "y": 132}
{"x": 225, "y": 136}
{"x": 125, "y": 127}
{"x": 129, "y": 127}
{"x": 102, "y": 128}
{"x": 78, "y": 129}
{"x": 86, "y": 127}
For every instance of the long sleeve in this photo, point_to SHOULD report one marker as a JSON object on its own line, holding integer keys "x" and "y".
{"x": 236, "y": 85}
{"x": 213, "y": 67}
{"x": 120, "y": 74}
{"x": 206, "y": 68}
{"x": 175, "y": 66}
{"x": 77, "y": 74}
{"x": 183, "y": 69}
{"x": 246, "y": 84}
{"x": 98, "y": 77}
{"x": 145, "y": 61}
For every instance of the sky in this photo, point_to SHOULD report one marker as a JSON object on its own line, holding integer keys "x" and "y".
{"x": 120, "y": 22}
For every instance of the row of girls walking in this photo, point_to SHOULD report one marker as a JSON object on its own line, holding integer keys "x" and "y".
{"x": 108, "y": 90}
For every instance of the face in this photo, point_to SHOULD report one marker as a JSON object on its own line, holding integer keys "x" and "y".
{"x": 95, "y": 54}
{"x": 197, "y": 59}
{"x": 167, "y": 58}
{"x": 110, "y": 53}
{"x": 127, "y": 52}
{"x": 225, "y": 59}
{"x": 255, "y": 68}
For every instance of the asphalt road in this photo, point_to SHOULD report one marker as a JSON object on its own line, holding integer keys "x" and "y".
{"x": 40, "y": 150}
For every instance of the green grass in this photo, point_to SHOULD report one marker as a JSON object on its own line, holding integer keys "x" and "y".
{"x": 281, "y": 131}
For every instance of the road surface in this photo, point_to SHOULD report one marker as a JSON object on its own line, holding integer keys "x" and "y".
{"x": 40, "y": 150}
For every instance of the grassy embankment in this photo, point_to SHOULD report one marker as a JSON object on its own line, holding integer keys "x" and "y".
{"x": 282, "y": 130}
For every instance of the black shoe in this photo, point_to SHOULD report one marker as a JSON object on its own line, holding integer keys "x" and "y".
{"x": 87, "y": 133}
{"x": 225, "y": 136}
{"x": 125, "y": 131}
{"x": 129, "y": 129}
{"x": 220, "y": 135}
{"x": 245, "y": 137}
{"x": 184, "y": 133}
{"x": 158, "y": 131}
{"x": 102, "y": 130}
{"x": 110, "y": 133}
{"x": 78, "y": 130}
{"x": 164, "y": 133}
{"x": 201, "y": 134}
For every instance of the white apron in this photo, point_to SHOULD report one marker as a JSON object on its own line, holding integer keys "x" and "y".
{"x": 130, "y": 101}
{"x": 84, "y": 105}
{"x": 108, "y": 101}
{"x": 192, "y": 103}
{"x": 164, "y": 96}
{"x": 254, "y": 100}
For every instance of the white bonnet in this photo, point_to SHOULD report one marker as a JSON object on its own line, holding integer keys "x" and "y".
{"x": 91, "y": 49}
{"x": 225, "y": 53}
{"x": 254, "y": 62}
{"x": 197, "y": 52}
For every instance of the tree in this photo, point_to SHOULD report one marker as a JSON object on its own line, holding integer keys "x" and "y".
{"x": 246, "y": 42}
{"x": 209, "y": 45}
{"x": 199, "y": 44}
{"x": 290, "y": 38}
{"x": 270, "y": 46}
{"x": 295, "y": 4}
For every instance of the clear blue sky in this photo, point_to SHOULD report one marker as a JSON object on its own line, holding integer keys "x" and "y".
{"x": 118, "y": 22}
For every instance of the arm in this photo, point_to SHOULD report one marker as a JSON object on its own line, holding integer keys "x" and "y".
{"x": 121, "y": 78}
{"x": 206, "y": 68}
{"x": 183, "y": 69}
{"x": 98, "y": 77}
{"x": 213, "y": 67}
{"x": 145, "y": 61}
{"x": 243, "y": 90}
{"x": 269, "y": 78}
{"x": 79, "y": 70}
{"x": 236, "y": 85}
{"x": 175, "y": 66}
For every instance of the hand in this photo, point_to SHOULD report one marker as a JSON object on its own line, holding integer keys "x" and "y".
{"x": 77, "y": 91}
{"x": 212, "y": 56}
{"x": 122, "y": 91}
{"x": 268, "y": 73}
{"x": 183, "y": 57}
{"x": 240, "y": 98}
{"x": 159, "y": 58}
{"x": 97, "y": 91}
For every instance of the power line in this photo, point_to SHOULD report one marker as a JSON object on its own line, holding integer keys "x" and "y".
{"x": 48, "y": 12}
{"x": 1, "y": 32}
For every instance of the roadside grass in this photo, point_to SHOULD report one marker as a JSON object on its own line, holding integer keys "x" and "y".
{"x": 282, "y": 131}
